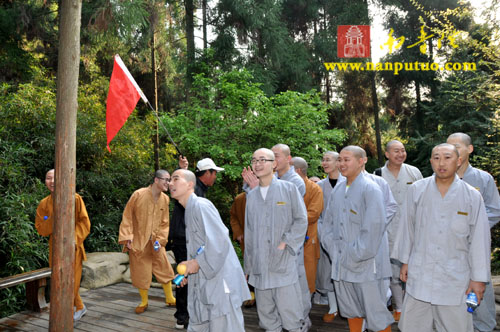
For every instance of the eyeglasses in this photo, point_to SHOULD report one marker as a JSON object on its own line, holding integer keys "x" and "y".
{"x": 259, "y": 161}
{"x": 164, "y": 179}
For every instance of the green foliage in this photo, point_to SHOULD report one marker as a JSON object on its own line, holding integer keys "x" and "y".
{"x": 105, "y": 181}
{"x": 229, "y": 117}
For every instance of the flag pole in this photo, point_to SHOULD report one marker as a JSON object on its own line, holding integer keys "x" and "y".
{"x": 155, "y": 112}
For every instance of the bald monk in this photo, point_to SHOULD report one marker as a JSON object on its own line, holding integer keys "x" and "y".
{"x": 43, "y": 223}
{"x": 217, "y": 283}
{"x": 145, "y": 221}
{"x": 443, "y": 241}
{"x": 484, "y": 317}
{"x": 353, "y": 234}
{"x": 314, "y": 205}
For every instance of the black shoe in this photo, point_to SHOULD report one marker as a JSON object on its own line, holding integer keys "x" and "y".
{"x": 181, "y": 325}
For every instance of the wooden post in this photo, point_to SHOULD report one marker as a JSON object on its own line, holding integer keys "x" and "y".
{"x": 63, "y": 245}
{"x": 156, "y": 138}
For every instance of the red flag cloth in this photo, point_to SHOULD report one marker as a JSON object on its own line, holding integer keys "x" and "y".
{"x": 123, "y": 95}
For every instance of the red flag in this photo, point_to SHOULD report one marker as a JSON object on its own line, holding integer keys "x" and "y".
{"x": 123, "y": 95}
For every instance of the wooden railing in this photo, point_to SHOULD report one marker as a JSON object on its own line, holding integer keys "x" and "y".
{"x": 35, "y": 281}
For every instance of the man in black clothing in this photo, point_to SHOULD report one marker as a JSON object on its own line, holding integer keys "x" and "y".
{"x": 206, "y": 174}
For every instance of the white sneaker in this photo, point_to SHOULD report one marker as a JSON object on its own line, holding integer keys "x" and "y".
{"x": 79, "y": 314}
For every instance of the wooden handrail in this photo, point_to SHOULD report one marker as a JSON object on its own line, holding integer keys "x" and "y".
{"x": 35, "y": 281}
{"x": 25, "y": 277}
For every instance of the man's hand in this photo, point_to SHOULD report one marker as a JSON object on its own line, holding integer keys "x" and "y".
{"x": 478, "y": 288}
{"x": 191, "y": 267}
{"x": 403, "y": 273}
{"x": 282, "y": 246}
{"x": 129, "y": 244}
{"x": 249, "y": 177}
{"x": 183, "y": 162}
{"x": 239, "y": 238}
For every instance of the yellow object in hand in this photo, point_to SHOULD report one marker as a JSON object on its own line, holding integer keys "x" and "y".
{"x": 181, "y": 269}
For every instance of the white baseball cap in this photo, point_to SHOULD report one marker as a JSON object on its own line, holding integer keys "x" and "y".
{"x": 206, "y": 164}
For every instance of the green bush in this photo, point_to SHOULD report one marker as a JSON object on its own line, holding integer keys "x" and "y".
{"x": 228, "y": 117}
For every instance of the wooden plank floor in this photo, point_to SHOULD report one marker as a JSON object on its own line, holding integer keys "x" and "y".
{"x": 111, "y": 308}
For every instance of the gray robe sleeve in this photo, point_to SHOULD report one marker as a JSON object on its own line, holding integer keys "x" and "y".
{"x": 294, "y": 237}
{"x": 212, "y": 259}
{"x": 373, "y": 226}
{"x": 492, "y": 201}
{"x": 327, "y": 237}
{"x": 480, "y": 243}
{"x": 248, "y": 235}
{"x": 406, "y": 230}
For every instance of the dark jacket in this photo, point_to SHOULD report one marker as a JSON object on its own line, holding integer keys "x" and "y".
{"x": 177, "y": 233}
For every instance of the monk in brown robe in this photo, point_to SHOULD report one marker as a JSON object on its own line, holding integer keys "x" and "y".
{"x": 44, "y": 221}
{"x": 237, "y": 219}
{"x": 314, "y": 205}
{"x": 144, "y": 234}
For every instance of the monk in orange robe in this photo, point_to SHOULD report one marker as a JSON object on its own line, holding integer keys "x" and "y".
{"x": 314, "y": 205}
{"x": 44, "y": 222}
{"x": 145, "y": 224}
{"x": 237, "y": 219}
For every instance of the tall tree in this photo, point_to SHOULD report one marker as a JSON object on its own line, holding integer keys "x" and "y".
{"x": 190, "y": 51}
{"x": 419, "y": 23}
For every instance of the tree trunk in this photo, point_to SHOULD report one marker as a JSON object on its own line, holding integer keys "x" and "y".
{"x": 156, "y": 138}
{"x": 190, "y": 49}
{"x": 378, "y": 138}
{"x": 63, "y": 242}
{"x": 327, "y": 87}
{"x": 204, "y": 10}
{"x": 418, "y": 112}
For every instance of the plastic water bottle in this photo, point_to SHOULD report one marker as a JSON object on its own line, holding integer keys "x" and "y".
{"x": 178, "y": 279}
{"x": 45, "y": 217}
{"x": 156, "y": 246}
{"x": 471, "y": 302}
{"x": 199, "y": 251}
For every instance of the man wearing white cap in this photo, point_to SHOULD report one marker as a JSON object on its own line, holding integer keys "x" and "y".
{"x": 206, "y": 174}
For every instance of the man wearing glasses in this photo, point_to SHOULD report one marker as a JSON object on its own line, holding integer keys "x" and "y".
{"x": 144, "y": 233}
{"x": 275, "y": 229}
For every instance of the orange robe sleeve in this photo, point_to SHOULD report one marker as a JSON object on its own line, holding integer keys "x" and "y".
{"x": 314, "y": 204}
{"x": 127, "y": 224}
{"x": 82, "y": 225}
{"x": 237, "y": 215}
{"x": 44, "y": 217}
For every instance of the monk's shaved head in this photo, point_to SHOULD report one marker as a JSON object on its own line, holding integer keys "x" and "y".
{"x": 333, "y": 154}
{"x": 300, "y": 163}
{"x": 357, "y": 151}
{"x": 466, "y": 140}
{"x": 392, "y": 143}
{"x": 447, "y": 146}
{"x": 269, "y": 153}
{"x": 187, "y": 175}
{"x": 285, "y": 149}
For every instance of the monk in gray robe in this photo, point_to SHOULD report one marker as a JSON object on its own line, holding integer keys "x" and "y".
{"x": 354, "y": 229}
{"x": 484, "y": 317}
{"x": 286, "y": 171}
{"x": 399, "y": 176}
{"x": 325, "y": 292}
{"x": 275, "y": 229}
{"x": 217, "y": 283}
{"x": 443, "y": 242}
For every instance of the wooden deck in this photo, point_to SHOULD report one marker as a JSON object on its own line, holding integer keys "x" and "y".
{"x": 111, "y": 308}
